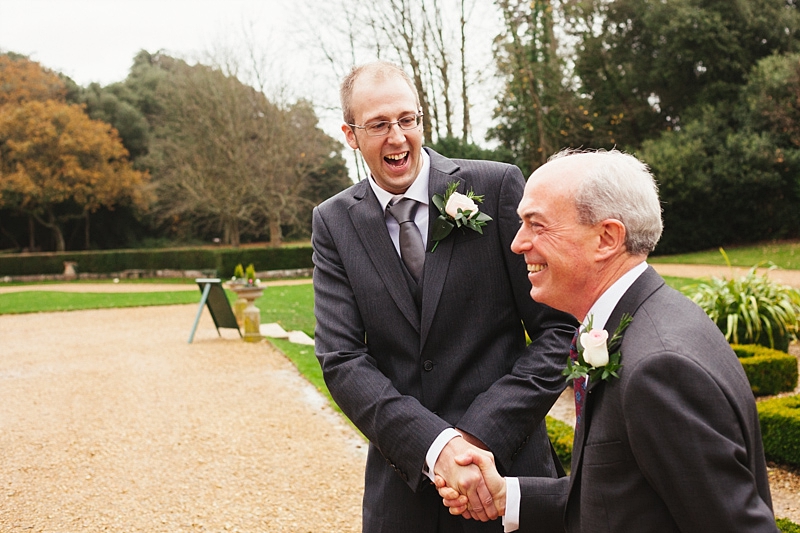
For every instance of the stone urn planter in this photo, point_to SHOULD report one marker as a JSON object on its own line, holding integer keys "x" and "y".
{"x": 247, "y": 314}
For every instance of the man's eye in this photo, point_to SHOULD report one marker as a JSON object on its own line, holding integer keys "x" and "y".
{"x": 407, "y": 122}
{"x": 377, "y": 126}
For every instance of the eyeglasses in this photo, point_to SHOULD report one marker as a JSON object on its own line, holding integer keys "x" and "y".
{"x": 380, "y": 128}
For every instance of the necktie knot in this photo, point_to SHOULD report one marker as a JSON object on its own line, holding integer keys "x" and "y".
{"x": 403, "y": 211}
{"x": 412, "y": 251}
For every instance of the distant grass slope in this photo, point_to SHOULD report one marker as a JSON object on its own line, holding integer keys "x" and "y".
{"x": 783, "y": 254}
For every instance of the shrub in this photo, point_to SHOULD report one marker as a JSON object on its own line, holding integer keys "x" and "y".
{"x": 750, "y": 310}
{"x": 769, "y": 371}
{"x": 787, "y": 526}
{"x": 561, "y": 435}
{"x": 780, "y": 429}
{"x": 223, "y": 260}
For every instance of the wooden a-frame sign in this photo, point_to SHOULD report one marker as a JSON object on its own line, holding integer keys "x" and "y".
{"x": 218, "y": 306}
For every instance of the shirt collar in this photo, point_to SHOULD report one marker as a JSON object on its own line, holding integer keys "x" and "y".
{"x": 417, "y": 191}
{"x": 604, "y": 306}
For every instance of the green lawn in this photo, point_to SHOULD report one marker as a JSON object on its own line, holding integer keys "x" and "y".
{"x": 44, "y": 301}
{"x": 783, "y": 254}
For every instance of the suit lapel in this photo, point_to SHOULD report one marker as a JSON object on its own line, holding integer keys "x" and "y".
{"x": 642, "y": 288}
{"x": 370, "y": 225}
{"x": 437, "y": 263}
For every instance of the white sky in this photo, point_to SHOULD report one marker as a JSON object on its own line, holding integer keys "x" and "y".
{"x": 96, "y": 41}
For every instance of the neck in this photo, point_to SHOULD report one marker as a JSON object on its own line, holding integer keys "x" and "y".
{"x": 608, "y": 274}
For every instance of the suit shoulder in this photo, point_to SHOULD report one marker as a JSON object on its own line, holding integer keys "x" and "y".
{"x": 343, "y": 198}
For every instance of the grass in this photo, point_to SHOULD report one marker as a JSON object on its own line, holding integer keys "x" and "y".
{"x": 46, "y": 301}
{"x": 782, "y": 254}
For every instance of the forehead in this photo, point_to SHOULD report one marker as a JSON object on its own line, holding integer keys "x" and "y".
{"x": 381, "y": 97}
{"x": 549, "y": 191}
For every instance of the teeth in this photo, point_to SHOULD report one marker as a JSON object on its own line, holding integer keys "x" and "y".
{"x": 397, "y": 157}
{"x": 536, "y": 268}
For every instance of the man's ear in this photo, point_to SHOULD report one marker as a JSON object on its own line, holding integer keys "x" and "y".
{"x": 611, "y": 238}
{"x": 350, "y": 136}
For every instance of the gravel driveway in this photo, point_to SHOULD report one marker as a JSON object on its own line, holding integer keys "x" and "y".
{"x": 111, "y": 421}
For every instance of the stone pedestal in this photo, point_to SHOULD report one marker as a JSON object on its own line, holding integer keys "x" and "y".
{"x": 250, "y": 314}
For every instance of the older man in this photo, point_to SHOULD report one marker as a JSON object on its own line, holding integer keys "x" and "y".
{"x": 670, "y": 440}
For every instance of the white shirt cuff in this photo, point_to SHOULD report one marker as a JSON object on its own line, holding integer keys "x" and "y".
{"x": 436, "y": 448}
{"x": 513, "y": 498}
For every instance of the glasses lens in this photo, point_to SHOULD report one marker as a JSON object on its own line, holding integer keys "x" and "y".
{"x": 409, "y": 122}
{"x": 377, "y": 128}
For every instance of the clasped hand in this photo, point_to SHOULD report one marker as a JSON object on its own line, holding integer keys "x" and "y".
{"x": 468, "y": 481}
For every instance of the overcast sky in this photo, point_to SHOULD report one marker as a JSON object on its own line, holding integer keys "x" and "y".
{"x": 96, "y": 40}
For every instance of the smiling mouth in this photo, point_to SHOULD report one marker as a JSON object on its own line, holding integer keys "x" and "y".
{"x": 396, "y": 160}
{"x": 537, "y": 267}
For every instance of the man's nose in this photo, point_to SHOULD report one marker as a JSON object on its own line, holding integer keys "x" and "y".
{"x": 520, "y": 243}
{"x": 396, "y": 133}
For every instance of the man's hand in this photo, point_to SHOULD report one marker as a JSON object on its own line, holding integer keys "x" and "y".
{"x": 466, "y": 478}
{"x": 458, "y": 504}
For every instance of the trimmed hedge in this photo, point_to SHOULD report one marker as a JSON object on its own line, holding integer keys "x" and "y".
{"x": 780, "y": 429}
{"x": 561, "y": 435}
{"x": 787, "y": 526}
{"x": 769, "y": 371}
{"x": 223, "y": 260}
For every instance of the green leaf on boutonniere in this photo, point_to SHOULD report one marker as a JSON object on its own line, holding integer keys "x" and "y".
{"x": 469, "y": 218}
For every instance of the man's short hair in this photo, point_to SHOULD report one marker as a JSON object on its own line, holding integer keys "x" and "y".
{"x": 617, "y": 185}
{"x": 379, "y": 70}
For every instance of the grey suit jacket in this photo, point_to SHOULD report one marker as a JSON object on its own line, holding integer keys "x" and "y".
{"x": 673, "y": 445}
{"x": 403, "y": 373}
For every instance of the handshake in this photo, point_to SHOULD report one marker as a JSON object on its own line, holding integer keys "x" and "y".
{"x": 467, "y": 480}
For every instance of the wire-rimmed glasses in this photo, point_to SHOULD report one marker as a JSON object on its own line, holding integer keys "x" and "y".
{"x": 382, "y": 127}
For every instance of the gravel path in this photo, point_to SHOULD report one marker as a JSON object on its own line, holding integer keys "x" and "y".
{"x": 111, "y": 421}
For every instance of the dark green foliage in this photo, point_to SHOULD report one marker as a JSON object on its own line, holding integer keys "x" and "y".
{"x": 780, "y": 429}
{"x": 561, "y": 435}
{"x": 769, "y": 371}
{"x": 787, "y": 526}
{"x": 223, "y": 260}
{"x": 455, "y": 148}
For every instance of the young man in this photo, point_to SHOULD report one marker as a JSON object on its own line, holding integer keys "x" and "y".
{"x": 425, "y": 350}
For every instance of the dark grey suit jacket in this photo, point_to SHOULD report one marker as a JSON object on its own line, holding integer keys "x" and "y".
{"x": 404, "y": 373}
{"x": 673, "y": 445}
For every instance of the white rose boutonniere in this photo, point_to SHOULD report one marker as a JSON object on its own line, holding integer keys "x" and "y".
{"x": 456, "y": 210}
{"x": 598, "y": 357}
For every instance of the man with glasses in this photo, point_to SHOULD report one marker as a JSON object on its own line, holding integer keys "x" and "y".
{"x": 421, "y": 341}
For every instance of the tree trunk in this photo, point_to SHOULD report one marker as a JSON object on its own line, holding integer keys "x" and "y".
{"x": 31, "y": 233}
{"x": 86, "y": 231}
{"x": 275, "y": 234}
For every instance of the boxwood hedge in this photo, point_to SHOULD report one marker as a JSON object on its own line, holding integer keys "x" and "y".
{"x": 769, "y": 371}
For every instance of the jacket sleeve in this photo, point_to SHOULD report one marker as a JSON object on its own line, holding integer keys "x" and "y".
{"x": 504, "y": 416}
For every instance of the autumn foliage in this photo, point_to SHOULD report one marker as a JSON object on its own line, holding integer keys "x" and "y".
{"x": 55, "y": 162}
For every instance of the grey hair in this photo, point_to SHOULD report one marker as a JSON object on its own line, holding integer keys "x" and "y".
{"x": 619, "y": 186}
{"x": 379, "y": 70}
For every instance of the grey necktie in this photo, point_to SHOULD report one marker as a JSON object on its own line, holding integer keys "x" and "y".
{"x": 412, "y": 250}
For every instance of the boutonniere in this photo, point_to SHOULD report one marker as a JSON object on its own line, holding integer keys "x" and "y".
{"x": 457, "y": 210}
{"x": 594, "y": 348}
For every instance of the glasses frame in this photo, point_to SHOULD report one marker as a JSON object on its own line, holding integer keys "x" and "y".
{"x": 389, "y": 124}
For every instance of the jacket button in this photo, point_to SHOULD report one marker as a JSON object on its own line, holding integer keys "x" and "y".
{"x": 427, "y": 365}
